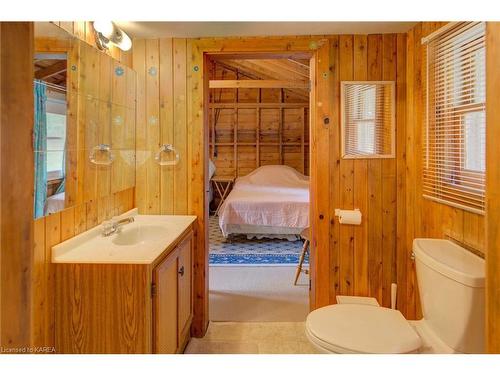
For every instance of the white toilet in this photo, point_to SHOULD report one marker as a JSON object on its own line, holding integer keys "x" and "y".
{"x": 451, "y": 286}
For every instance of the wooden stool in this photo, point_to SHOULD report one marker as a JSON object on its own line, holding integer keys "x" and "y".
{"x": 305, "y": 249}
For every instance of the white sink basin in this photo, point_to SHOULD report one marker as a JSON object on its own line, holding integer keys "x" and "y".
{"x": 129, "y": 235}
{"x": 139, "y": 242}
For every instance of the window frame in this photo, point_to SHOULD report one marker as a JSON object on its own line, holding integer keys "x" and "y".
{"x": 343, "y": 132}
{"x": 457, "y": 181}
{"x": 58, "y": 173}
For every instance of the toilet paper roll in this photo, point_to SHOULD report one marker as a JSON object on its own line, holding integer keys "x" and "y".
{"x": 350, "y": 217}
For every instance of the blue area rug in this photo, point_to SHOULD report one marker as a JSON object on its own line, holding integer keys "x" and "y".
{"x": 241, "y": 251}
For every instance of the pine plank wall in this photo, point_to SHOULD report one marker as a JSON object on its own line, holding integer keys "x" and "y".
{"x": 426, "y": 218}
{"x": 86, "y": 213}
{"x": 370, "y": 185}
{"x": 365, "y": 260}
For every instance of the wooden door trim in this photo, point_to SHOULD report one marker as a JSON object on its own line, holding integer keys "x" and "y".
{"x": 198, "y": 119}
{"x": 16, "y": 208}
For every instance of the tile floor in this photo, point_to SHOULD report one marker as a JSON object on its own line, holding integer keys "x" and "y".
{"x": 252, "y": 338}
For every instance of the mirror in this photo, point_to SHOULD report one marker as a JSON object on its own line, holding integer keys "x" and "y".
{"x": 84, "y": 131}
{"x": 368, "y": 119}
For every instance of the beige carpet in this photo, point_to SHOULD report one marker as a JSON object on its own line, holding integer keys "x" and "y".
{"x": 252, "y": 338}
{"x": 257, "y": 294}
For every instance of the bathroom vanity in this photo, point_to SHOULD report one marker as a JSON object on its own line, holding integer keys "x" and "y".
{"x": 130, "y": 292}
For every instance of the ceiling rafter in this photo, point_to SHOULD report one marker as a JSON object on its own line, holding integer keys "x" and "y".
{"x": 254, "y": 72}
{"x": 51, "y": 70}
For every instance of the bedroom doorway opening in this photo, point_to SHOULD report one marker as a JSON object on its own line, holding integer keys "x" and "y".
{"x": 258, "y": 163}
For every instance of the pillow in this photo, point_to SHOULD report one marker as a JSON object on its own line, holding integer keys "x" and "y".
{"x": 211, "y": 168}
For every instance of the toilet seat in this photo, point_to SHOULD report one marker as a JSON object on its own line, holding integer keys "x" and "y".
{"x": 351, "y": 328}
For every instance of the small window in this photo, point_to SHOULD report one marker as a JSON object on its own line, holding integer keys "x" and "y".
{"x": 367, "y": 119}
{"x": 56, "y": 137}
{"x": 455, "y": 132}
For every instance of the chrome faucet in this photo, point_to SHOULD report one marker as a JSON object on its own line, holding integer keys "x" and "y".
{"x": 112, "y": 226}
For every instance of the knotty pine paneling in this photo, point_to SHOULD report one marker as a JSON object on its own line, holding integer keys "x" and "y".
{"x": 362, "y": 260}
{"x": 102, "y": 201}
{"x": 161, "y": 119}
{"x": 492, "y": 190}
{"x": 52, "y": 230}
{"x": 16, "y": 163}
{"x": 425, "y": 218}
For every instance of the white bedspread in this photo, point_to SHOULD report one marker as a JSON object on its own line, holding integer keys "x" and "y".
{"x": 54, "y": 203}
{"x": 272, "y": 196}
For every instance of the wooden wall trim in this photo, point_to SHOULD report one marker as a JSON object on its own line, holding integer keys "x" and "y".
{"x": 198, "y": 186}
{"x": 17, "y": 204}
{"x": 321, "y": 107}
{"x": 492, "y": 189}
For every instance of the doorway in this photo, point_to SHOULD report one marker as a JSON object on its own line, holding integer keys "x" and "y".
{"x": 318, "y": 50}
{"x": 258, "y": 193}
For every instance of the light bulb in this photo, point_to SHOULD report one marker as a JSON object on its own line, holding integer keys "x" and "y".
{"x": 125, "y": 43}
{"x": 106, "y": 28}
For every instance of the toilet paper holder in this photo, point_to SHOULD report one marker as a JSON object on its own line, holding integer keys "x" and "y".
{"x": 338, "y": 211}
{"x": 354, "y": 216}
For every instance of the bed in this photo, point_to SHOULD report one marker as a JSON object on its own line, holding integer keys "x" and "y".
{"x": 272, "y": 202}
{"x": 54, "y": 203}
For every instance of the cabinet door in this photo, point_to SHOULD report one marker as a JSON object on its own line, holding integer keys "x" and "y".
{"x": 185, "y": 281}
{"x": 165, "y": 306}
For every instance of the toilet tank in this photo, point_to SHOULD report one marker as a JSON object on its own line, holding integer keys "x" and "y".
{"x": 451, "y": 287}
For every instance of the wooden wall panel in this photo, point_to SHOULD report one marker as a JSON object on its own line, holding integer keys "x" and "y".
{"x": 402, "y": 254}
{"x": 16, "y": 164}
{"x": 180, "y": 126}
{"x": 52, "y": 230}
{"x": 492, "y": 189}
{"x": 161, "y": 119}
{"x": 346, "y": 68}
{"x": 360, "y": 177}
{"x": 361, "y": 260}
{"x": 426, "y": 218}
{"x": 333, "y": 168}
{"x": 375, "y": 65}
{"x": 388, "y": 184}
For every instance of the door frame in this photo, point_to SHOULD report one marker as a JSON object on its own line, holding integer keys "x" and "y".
{"x": 321, "y": 129}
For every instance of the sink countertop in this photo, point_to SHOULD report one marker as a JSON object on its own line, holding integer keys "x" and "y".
{"x": 93, "y": 248}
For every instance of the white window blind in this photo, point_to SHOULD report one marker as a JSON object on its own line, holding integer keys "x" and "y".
{"x": 454, "y": 135}
{"x": 367, "y": 119}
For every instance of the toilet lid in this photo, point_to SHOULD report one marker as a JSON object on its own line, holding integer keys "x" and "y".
{"x": 361, "y": 329}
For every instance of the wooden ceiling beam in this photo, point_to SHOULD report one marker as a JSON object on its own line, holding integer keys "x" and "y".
{"x": 277, "y": 69}
{"x": 52, "y": 70}
{"x": 261, "y": 55}
{"x": 247, "y": 71}
{"x": 298, "y": 70}
{"x": 257, "y": 83}
{"x": 298, "y": 63}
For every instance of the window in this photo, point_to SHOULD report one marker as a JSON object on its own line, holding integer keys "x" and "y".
{"x": 454, "y": 138}
{"x": 56, "y": 137}
{"x": 367, "y": 119}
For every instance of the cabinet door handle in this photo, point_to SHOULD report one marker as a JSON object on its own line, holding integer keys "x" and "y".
{"x": 181, "y": 271}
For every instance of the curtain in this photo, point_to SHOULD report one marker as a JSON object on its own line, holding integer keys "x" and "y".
{"x": 40, "y": 147}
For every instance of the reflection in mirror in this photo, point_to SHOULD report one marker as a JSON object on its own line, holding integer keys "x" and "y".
{"x": 368, "y": 119}
{"x": 84, "y": 131}
{"x": 50, "y": 103}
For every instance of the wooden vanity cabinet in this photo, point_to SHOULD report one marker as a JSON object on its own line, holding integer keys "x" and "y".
{"x": 126, "y": 308}
{"x": 172, "y": 300}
